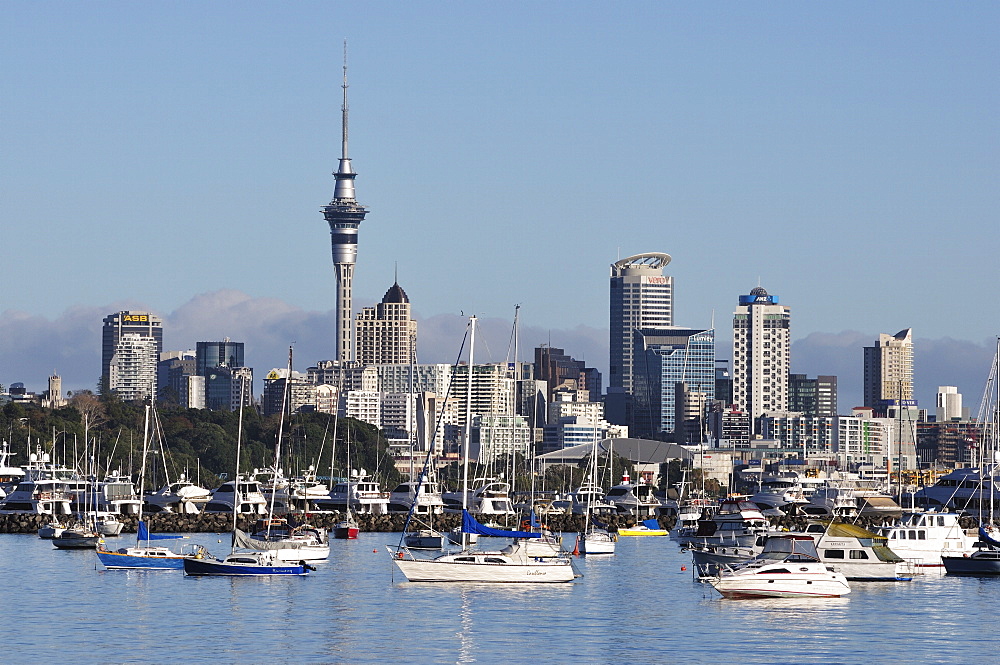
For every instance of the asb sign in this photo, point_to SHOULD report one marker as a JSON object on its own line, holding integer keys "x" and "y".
{"x": 136, "y": 318}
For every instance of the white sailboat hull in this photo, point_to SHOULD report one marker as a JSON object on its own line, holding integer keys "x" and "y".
{"x": 447, "y": 569}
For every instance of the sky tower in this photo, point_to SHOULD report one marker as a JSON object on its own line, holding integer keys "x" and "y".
{"x": 344, "y": 215}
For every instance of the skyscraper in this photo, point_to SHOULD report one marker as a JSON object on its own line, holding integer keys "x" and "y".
{"x": 641, "y": 298}
{"x": 344, "y": 214}
{"x": 761, "y": 354}
{"x": 674, "y": 379}
{"x": 116, "y": 327}
{"x": 386, "y": 335}
{"x": 221, "y": 365}
{"x": 888, "y": 373}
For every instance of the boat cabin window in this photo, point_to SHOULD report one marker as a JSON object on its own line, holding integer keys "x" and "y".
{"x": 859, "y": 554}
{"x": 493, "y": 559}
{"x": 834, "y": 554}
{"x": 469, "y": 559}
{"x": 771, "y": 571}
{"x": 940, "y": 520}
{"x": 241, "y": 560}
{"x": 913, "y": 535}
{"x": 921, "y": 535}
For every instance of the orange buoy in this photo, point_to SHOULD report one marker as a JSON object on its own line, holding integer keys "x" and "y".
{"x": 683, "y": 568}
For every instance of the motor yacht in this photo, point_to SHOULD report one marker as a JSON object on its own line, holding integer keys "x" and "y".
{"x": 426, "y": 496}
{"x": 360, "y": 494}
{"x": 797, "y": 573}
{"x": 634, "y": 499}
{"x": 249, "y": 500}
{"x": 182, "y": 496}
{"x": 923, "y": 538}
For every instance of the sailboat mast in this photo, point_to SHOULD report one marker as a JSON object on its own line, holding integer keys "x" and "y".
{"x": 239, "y": 442}
{"x": 468, "y": 422}
{"x": 142, "y": 468}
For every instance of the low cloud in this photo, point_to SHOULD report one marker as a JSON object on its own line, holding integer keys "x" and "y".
{"x": 32, "y": 346}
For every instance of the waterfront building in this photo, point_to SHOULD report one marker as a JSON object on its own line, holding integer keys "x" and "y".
{"x": 761, "y": 354}
{"x": 641, "y": 298}
{"x": 813, "y": 397}
{"x": 668, "y": 358}
{"x": 385, "y": 333}
{"x": 344, "y": 215}
{"x": 116, "y": 326}
{"x": 888, "y": 371}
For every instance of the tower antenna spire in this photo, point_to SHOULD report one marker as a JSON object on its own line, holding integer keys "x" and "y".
{"x": 343, "y": 110}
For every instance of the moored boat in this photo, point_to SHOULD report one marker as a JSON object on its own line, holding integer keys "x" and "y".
{"x": 798, "y": 574}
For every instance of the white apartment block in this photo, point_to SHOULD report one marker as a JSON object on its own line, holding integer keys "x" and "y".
{"x": 132, "y": 372}
{"x": 811, "y": 434}
{"x": 761, "y": 354}
{"x": 497, "y": 436}
{"x": 364, "y": 405}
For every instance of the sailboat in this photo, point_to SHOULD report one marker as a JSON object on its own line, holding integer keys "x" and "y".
{"x": 144, "y": 555}
{"x": 511, "y": 564}
{"x": 244, "y": 563}
{"x": 595, "y": 537}
{"x": 985, "y": 561}
{"x": 347, "y": 528}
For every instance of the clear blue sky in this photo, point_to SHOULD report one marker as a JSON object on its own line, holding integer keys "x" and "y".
{"x": 843, "y": 154}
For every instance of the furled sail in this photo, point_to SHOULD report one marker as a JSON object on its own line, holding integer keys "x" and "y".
{"x": 243, "y": 540}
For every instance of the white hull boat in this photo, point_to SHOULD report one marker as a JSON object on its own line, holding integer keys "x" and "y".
{"x": 798, "y": 575}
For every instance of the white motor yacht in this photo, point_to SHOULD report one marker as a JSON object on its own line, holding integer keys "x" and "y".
{"x": 634, "y": 499}
{"x": 426, "y": 496}
{"x": 42, "y": 490}
{"x": 923, "y": 538}
{"x": 183, "y": 497}
{"x": 797, "y": 574}
{"x": 360, "y": 494}
{"x": 589, "y": 497}
{"x": 249, "y": 500}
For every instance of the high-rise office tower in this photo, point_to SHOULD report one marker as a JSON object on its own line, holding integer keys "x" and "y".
{"x": 221, "y": 365}
{"x": 761, "y": 354}
{"x": 949, "y": 404}
{"x": 641, "y": 298}
{"x": 888, "y": 372}
{"x": 116, "y": 327}
{"x": 674, "y": 379}
{"x": 344, "y": 214}
{"x": 386, "y": 335}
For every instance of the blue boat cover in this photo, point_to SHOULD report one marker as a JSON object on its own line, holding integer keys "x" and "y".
{"x": 471, "y": 525}
{"x": 144, "y": 534}
{"x": 651, "y": 524}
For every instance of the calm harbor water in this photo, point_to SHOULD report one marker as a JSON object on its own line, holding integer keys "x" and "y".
{"x": 637, "y": 606}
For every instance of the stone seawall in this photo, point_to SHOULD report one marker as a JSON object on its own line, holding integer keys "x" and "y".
{"x": 222, "y": 522}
